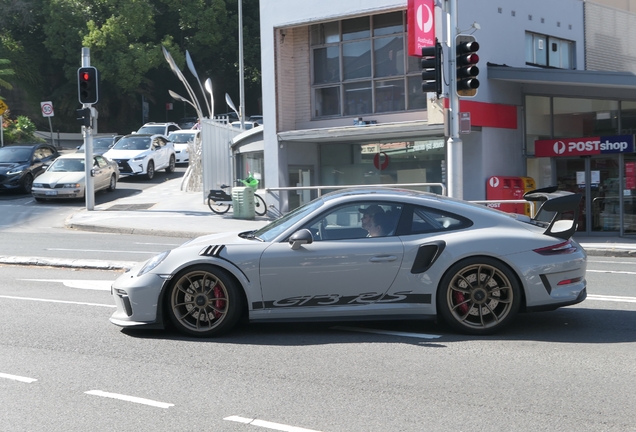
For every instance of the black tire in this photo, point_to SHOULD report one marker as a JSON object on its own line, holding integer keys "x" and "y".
{"x": 171, "y": 165}
{"x": 260, "y": 208}
{"x": 113, "y": 183}
{"x": 204, "y": 301}
{"x": 150, "y": 171}
{"x": 478, "y": 296}
{"x": 218, "y": 207}
{"x": 27, "y": 183}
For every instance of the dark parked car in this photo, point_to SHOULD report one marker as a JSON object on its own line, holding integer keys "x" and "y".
{"x": 20, "y": 164}
{"x": 101, "y": 144}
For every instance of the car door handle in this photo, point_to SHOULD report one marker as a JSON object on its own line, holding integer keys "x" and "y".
{"x": 383, "y": 258}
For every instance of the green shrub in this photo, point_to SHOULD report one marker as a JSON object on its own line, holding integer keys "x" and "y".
{"x": 20, "y": 130}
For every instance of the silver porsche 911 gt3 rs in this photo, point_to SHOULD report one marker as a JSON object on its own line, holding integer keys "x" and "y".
{"x": 376, "y": 253}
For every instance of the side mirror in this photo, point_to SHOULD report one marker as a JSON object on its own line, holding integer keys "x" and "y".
{"x": 300, "y": 238}
{"x": 93, "y": 172}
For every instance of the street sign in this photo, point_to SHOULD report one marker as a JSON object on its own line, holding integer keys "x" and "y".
{"x": 3, "y": 107}
{"x": 464, "y": 122}
{"x": 47, "y": 109}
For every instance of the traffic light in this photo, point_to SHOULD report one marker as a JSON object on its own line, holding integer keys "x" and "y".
{"x": 84, "y": 116}
{"x": 432, "y": 68}
{"x": 467, "y": 70}
{"x": 87, "y": 85}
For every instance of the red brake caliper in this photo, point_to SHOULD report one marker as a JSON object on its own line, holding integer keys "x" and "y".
{"x": 219, "y": 304}
{"x": 459, "y": 298}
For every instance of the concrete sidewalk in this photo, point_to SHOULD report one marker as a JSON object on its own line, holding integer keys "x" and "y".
{"x": 165, "y": 210}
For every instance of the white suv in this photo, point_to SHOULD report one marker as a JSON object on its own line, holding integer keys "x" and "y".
{"x": 143, "y": 154}
{"x": 158, "y": 128}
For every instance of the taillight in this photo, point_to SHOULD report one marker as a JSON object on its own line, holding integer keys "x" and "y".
{"x": 559, "y": 249}
{"x": 570, "y": 281}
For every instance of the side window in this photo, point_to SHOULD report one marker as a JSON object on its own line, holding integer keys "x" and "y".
{"x": 100, "y": 161}
{"x": 45, "y": 152}
{"x": 427, "y": 220}
{"x": 172, "y": 128}
{"x": 156, "y": 143}
{"x": 361, "y": 220}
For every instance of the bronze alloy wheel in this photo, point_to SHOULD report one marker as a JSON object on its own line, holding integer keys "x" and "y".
{"x": 204, "y": 301}
{"x": 479, "y": 296}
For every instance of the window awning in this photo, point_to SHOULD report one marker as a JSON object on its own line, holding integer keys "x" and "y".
{"x": 368, "y": 133}
{"x": 562, "y": 77}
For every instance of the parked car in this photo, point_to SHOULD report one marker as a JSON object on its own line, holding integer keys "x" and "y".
{"x": 143, "y": 154}
{"x": 471, "y": 265}
{"x": 182, "y": 140}
{"x": 187, "y": 122}
{"x": 158, "y": 128}
{"x": 66, "y": 177}
{"x": 20, "y": 164}
{"x": 248, "y": 125}
{"x": 101, "y": 144}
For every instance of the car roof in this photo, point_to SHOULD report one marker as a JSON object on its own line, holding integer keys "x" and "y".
{"x": 73, "y": 156}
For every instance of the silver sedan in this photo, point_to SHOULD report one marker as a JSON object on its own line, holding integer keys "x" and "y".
{"x": 367, "y": 254}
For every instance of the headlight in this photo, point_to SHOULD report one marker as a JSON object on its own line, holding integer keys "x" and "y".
{"x": 16, "y": 170}
{"x": 152, "y": 263}
{"x": 139, "y": 158}
{"x": 71, "y": 185}
{"x": 37, "y": 185}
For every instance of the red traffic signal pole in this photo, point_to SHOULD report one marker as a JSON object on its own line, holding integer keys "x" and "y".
{"x": 87, "y": 132}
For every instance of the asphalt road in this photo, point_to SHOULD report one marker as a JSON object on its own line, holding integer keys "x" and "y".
{"x": 566, "y": 370}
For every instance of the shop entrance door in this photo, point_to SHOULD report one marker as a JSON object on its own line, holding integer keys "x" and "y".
{"x": 597, "y": 180}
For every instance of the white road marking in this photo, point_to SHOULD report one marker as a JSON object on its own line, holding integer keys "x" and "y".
{"x": 102, "y": 250}
{"x": 98, "y": 285}
{"x": 159, "y": 244}
{"x": 56, "y": 301}
{"x": 385, "y": 332}
{"x": 611, "y": 271}
{"x": 268, "y": 425}
{"x": 619, "y": 299}
{"x": 18, "y": 378}
{"x": 129, "y": 398}
{"x": 609, "y": 262}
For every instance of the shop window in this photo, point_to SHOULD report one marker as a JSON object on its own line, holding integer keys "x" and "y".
{"x": 352, "y": 60}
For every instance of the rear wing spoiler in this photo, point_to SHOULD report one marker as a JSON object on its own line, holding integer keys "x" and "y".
{"x": 554, "y": 204}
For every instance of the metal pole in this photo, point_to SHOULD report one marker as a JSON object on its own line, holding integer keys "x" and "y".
{"x": 241, "y": 77}
{"x": 1, "y": 132}
{"x": 89, "y": 183}
{"x": 51, "y": 128}
{"x": 455, "y": 145}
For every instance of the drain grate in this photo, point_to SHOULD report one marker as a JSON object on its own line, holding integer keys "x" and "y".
{"x": 129, "y": 207}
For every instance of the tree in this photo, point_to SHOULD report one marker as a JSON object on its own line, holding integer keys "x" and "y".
{"x": 5, "y": 72}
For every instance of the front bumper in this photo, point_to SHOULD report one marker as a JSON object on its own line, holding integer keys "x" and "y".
{"x": 10, "y": 181}
{"x": 131, "y": 167}
{"x": 137, "y": 299}
{"x": 57, "y": 192}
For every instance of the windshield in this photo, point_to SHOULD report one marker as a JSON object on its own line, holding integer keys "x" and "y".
{"x": 133, "y": 143}
{"x": 102, "y": 143}
{"x": 12, "y": 155}
{"x": 177, "y": 137}
{"x": 67, "y": 165}
{"x": 272, "y": 230}
{"x": 153, "y": 130}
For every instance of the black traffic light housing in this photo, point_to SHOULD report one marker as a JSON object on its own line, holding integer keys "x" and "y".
{"x": 432, "y": 68}
{"x": 84, "y": 116}
{"x": 467, "y": 69}
{"x": 88, "y": 85}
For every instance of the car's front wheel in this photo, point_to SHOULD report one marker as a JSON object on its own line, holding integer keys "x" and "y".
{"x": 171, "y": 165}
{"x": 27, "y": 183}
{"x": 204, "y": 301}
{"x": 150, "y": 171}
{"x": 478, "y": 296}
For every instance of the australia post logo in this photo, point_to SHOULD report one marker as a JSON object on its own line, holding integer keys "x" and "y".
{"x": 421, "y": 25}
{"x": 584, "y": 146}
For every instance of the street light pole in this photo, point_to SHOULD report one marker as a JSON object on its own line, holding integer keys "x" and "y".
{"x": 241, "y": 73}
{"x": 455, "y": 173}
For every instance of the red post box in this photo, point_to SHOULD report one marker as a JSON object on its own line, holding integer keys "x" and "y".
{"x": 507, "y": 188}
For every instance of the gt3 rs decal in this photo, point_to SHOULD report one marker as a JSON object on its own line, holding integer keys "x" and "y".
{"x": 339, "y": 300}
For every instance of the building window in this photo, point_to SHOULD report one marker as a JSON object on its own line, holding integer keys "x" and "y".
{"x": 548, "y": 51}
{"x": 360, "y": 66}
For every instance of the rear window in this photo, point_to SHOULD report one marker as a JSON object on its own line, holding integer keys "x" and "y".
{"x": 424, "y": 220}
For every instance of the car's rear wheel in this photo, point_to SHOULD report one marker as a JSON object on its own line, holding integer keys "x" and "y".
{"x": 150, "y": 171}
{"x": 171, "y": 165}
{"x": 113, "y": 183}
{"x": 27, "y": 183}
{"x": 478, "y": 296}
{"x": 204, "y": 301}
